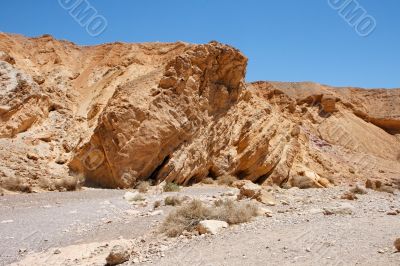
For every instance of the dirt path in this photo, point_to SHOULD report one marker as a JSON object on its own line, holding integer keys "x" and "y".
{"x": 39, "y": 222}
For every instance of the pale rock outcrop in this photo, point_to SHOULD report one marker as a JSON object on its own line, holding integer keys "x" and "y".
{"x": 6, "y": 58}
{"x": 23, "y": 103}
{"x": 342, "y": 209}
{"x": 308, "y": 179}
{"x": 249, "y": 190}
{"x": 130, "y": 196}
{"x": 211, "y": 226}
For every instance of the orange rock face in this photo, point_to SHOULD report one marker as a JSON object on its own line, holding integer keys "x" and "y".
{"x": 119, "y": 113}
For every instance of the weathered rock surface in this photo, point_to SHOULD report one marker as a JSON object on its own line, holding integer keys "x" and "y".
{"x": 342, "y": 209}
{"x": 118, "y": 255}
{"x": 211, "y": 226}
{"x": 179, "y": 112}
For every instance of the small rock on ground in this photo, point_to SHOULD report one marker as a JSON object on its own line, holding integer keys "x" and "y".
{"x": 211, "y": 226}
{"x": 397, "y": 244}
{"x": 118, "y": 255}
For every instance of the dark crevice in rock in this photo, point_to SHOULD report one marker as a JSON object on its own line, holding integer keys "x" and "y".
{"x": 242, "y": 174}
{"x": 155, "y": 174}
{"x": 212, "y": 173}
{"x": 260, "y": 180}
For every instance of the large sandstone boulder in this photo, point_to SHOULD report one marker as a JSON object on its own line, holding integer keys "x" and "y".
{"x": 197, "y": 120}
{"x": 153, "y": 136}
{"x": 250, "y": 190}
{"x": 308, "y": 179}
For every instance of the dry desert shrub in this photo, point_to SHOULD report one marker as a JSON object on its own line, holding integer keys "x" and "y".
{"x": 227, "y": 180}
{"x": 157, "y": 204}
{"x": 171, "y": 187}
{"x": 377, "y": 185}
{"x": 173, "y": 201}
{"x": 16, "y": 184}
{"x": 387, "y": 189}
{"x": 45, "y": 184}
{"x": 349, "y": 196}
{"x": 11, "y": 183}
{"x": 234, "y": 212}
{"x": 139, "y": 197}
{"x": 359, "y": 190}
{"x": 207, "y": 181}
{"x": 184, "y": 218}
{"x": 70, "y": 183}
{"x": 188, "y": 216}
{"x": 143, "y": 186}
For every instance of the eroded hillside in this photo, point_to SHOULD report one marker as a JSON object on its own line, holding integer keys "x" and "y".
{"x": 118, "y": 113}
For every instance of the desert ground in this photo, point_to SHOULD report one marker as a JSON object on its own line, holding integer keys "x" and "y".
{"x": 80, "y": 228}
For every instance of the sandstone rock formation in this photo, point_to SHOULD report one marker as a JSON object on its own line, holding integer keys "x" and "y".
{"x": 115, "y": 114}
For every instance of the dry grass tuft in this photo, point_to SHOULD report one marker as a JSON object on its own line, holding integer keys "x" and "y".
{"x": 157, "y": 204}
{"x": 234, "y": 212}
{"x": 227, "y": 180}
{"x": 386, "y": 189}
{"x": 377, "y": 185}
{"x": 188, "y": 216}
{"x": 171, "y": 187}
{"x": 359, "y": 190}
{"x": 139, "y": 197}
{"x": 173, "y": 201}
{"x": 184, "y": 218}
{"x": 70, "y": 183}
{"x": 45, "y": 184}
{"x": 143, "y": 186}
{"x": 16, "y": 184}
{"x": 207, "y": 181}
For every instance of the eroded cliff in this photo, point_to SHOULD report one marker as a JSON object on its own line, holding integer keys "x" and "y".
{"x": 116, "y": 114}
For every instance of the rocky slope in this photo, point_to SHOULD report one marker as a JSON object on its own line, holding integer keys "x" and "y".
{"x": 115, "y": 114}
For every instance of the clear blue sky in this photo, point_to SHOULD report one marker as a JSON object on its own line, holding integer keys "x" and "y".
{"x": 285, "y": 40}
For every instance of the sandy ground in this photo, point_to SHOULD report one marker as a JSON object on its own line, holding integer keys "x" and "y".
{"x": 298, "y": 233}
{"x": 303, "y": 235}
